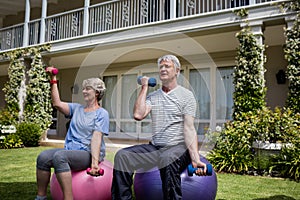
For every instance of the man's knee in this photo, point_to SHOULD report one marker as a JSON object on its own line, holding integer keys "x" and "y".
{"x": 121, "y": 156}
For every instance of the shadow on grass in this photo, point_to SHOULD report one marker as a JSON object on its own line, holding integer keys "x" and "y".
{"x": 19, "y": 191}
{"x": 277, "y": 197}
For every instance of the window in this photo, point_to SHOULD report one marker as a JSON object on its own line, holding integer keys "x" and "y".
{"x": 212, "y": 88}
{"x": 224, "y": 93}
{"x": 200, "y": 83}
{"x": 109, "y": 101}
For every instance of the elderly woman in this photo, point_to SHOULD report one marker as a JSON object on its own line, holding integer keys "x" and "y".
{"x": 84, "y": 144}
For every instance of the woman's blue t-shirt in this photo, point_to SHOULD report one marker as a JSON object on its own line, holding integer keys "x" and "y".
{"x": 82, "y": 126}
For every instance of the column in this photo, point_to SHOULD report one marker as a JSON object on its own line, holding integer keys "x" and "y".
{"x": 86, "y": 17}
{"x": 26, "y": 28}
{"x": 43, "y": 21}
{"x": 257, "y": 29}
{"x": 289, "y": 20}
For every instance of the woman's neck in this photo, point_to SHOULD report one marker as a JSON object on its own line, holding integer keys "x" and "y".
{"x": 91, "y": 106}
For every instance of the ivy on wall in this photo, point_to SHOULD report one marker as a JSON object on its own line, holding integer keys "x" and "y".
{"x": 249, "y": 82}
{"x": 37, "y": 107}
{"x": 292, "y": 55}
{"x": 16, "y": 73}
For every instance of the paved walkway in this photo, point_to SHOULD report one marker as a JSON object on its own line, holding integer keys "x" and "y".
{"x": 111, "y": 145}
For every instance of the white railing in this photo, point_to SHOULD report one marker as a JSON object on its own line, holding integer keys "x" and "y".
{"x": 12, "y": 37}
{"x": 34, "y": 32}
{"x": 66, "y": 25}
{"x": 119, "y": 14}
{"x": 193, "y": 7}
{"x": 111, "y": 15}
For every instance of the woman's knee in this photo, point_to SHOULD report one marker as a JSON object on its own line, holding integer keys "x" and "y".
{"x": 59, "y": 157}
{"x": 44, "y": 161}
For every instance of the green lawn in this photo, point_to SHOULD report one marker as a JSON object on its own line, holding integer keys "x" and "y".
{"x": 17, "y": 180}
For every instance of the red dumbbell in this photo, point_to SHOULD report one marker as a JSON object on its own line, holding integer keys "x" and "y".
{"x": 100, "y": 172}
{"x": 54, "y": 71}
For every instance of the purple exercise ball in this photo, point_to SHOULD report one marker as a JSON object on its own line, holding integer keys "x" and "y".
{"x": 148, "y": 186}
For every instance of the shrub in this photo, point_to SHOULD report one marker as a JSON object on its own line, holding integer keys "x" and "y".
{"x": 8, "y": 117}
{"x": 232, "y": 152}
{"x": 8, "y": 141}
{"x": 11, "y": 141}
{"x": 287, "y": 163}
{"x": 29, "y": 133}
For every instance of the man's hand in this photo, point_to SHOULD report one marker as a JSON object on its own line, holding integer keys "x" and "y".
{"x": 201, "y": 171}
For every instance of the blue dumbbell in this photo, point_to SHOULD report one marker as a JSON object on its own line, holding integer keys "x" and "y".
{"x": 151, "y": 81}
{"x": 191, "y": 170}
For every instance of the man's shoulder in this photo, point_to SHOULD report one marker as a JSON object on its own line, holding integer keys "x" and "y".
{"x": 184, "y": 90}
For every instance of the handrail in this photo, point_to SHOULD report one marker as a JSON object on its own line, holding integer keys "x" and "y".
{"x": 112, "y": 15}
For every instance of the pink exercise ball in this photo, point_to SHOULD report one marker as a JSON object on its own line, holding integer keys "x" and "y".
{"x": 86, "y": 187}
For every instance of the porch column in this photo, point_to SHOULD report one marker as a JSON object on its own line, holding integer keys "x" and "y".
{"x": 86, "y": 17}
{"x": 26, "y": 28}
{"x": 257, "y": 29}
{"x": 43, "y": 21}
{"x": 289, "y": 20}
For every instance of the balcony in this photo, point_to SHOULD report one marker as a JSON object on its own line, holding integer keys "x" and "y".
{"x": 111, "y": 16}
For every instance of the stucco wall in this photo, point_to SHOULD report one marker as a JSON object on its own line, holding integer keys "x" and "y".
{"x": 276, "y": 93}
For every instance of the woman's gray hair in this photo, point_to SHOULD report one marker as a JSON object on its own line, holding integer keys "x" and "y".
{"x": 172, "y": 58}
{"x": 97, "y": 84}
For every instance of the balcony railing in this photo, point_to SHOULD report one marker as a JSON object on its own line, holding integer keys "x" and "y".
{"x": 108, "y": 16}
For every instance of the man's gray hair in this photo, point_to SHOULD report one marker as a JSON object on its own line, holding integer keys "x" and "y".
{"x": 172, "y": 58}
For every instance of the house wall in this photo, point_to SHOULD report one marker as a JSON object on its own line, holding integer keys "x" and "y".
{"x": 66, "y": 79}
{"x": 3, "y": 80}
{"x": 276, "y": 93}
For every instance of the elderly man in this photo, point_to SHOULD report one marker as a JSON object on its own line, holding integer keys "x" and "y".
{"x": 174, "y": 142}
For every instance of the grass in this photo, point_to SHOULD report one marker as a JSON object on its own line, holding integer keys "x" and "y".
{"x": 17, "y": 180}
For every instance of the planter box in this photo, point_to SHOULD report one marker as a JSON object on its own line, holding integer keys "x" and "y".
{"x": 263, "y": 152}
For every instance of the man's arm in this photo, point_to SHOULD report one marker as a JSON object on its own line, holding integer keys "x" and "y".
{"x": 191, "y": 141}
{"x": 141, "y": 109}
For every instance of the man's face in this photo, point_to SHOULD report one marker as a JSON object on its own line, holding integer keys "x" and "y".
{"x": 167, "y": 71}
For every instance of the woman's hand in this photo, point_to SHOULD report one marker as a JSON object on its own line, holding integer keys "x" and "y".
{"x": 52, "y": 70}
{"x": 95, "y": 171}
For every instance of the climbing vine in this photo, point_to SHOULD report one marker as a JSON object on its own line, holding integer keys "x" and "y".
{"x": 16, "y": 73}
{"x": 292, "y": 55}
{"x": 249, "y": 82}
{"x": 36, "y": 107}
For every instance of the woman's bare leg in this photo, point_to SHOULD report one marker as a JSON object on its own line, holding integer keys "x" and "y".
{"x": 42, "y": 178}
{"x": 65, "y": 181}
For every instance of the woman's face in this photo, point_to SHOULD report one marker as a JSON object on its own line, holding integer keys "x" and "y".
{"x": 89, "y": 94}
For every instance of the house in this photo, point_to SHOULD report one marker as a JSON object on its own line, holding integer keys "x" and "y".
{"x": 119, "y": 40}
